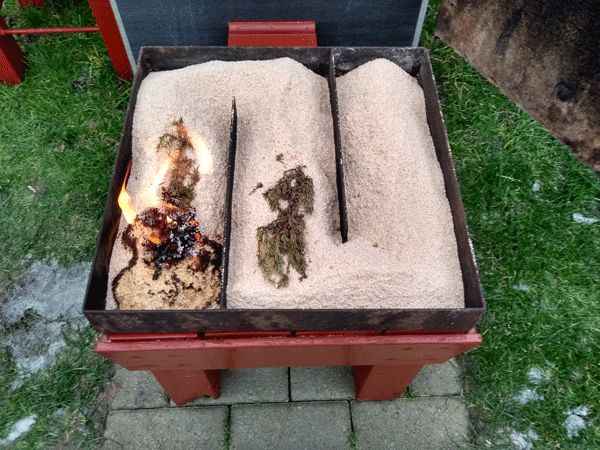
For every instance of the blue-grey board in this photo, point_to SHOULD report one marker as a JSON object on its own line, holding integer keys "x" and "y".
{"x": 376, "y": 23}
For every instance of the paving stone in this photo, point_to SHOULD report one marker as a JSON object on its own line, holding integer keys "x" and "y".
{"x": 438, "y": 379}
{"x": 263, "y": 385}
{"x": 322, "y": 383}
{"x": 425, "y": 423}
{"x": 290, "y": 426}
{"x": 137, "y": 390}
{"x": 166, "y": 428}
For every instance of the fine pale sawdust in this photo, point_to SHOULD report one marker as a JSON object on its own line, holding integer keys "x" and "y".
{"x": 401, "y": 251}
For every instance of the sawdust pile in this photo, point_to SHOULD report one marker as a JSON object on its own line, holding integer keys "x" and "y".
{"x": 401, "y": 251}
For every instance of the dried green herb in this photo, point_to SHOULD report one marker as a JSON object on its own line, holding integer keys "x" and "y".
{"x": 182, "y": 175}
{"x": 281, "y": 243}
{"x": 180, "y": 138}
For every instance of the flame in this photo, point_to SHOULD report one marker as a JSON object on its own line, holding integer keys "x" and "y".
{"x": 205, "y": 166}
{"x": 124, "y": 201}
{"x": 151, "y": 193}
{"x": 154, "y": 239}
{"x": 205, "y": 161}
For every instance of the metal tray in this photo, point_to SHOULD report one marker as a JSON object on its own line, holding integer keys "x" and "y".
{"x": 319, "y": 59}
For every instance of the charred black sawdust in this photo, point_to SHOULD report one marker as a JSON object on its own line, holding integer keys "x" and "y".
{"x": 172, "y": 232}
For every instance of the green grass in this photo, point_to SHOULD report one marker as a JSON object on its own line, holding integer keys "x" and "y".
{"x": 58, "y": 139}
{"x": 64, "y": 399}
{"x": 524, "y": 238}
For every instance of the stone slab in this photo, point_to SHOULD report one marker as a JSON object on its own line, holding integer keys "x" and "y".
{"x": 437, "y": 379}
{"x": 291, "y": 426}
{"x": 265, "y": 385}
{"x": 321, "y": 383}
{"x": 425, "y": 423}
{"x": 137, "y": 390}
{"x": 166, "y": 428}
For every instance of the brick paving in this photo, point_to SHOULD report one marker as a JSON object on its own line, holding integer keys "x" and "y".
{"x": 290, "y": 408}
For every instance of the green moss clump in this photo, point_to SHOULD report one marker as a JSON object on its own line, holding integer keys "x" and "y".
{"x": 281, "y": 243}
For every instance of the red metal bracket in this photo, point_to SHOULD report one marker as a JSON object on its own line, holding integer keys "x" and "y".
{"x": 29, "y": 3}
{"x": 272, "y": 33}
{"x": 11, "y": 57}
{"x": 9, "y": 31}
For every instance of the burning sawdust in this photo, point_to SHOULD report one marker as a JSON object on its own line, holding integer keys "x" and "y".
{"x": 173, "y": 264}
{"x": 178, "y": 270}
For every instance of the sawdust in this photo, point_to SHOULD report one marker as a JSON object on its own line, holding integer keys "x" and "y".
{"x": 401, "y": 252}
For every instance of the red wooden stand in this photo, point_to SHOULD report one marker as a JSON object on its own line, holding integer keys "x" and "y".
{"x": 267, "y": 33}
{"x": 188, "y": 365}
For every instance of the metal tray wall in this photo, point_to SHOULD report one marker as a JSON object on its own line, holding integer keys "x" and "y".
{"x": 416, "y": 62}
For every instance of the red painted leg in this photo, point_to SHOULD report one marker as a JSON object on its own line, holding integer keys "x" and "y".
{"x": 11, "y": 58}
{"x": 185, "y": 385}
{"x": 383, "y": 382}
{"x": 28, "y": 3}
{"x": 109, "y": 29}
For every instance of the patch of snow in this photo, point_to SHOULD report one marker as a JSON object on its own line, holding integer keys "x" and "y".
{"x": 535, "y": 375}
{"x": 579, "y": 218}
{"x": 575, "y": 376}
{"x": 521, "y": 287}
{"x": 36, "y": 349}
{"x": 51, "y": 290}
{"x": 523, "y": 441}
{"x": 575, "y": 421}
{"x": 57, "y": 295}
{"x": 18, "y": 429}
{"x": 59, "y": 414}
{"x": 527, "y": 396}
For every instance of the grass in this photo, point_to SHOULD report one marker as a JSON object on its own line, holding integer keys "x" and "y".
{"x": 58, "y": 139}
{"x": 226, "y": 443}
{"x": 539, "y": 267}
{"x": 64, "y": 399}
{"x": 353, "y": 438}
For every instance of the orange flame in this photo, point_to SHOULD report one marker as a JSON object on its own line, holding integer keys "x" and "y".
{"x": 124, "y": 201}
{"x": 158, "y": 179}
{"x": 154, "y": 239}
{"x": 205, "y": 167}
